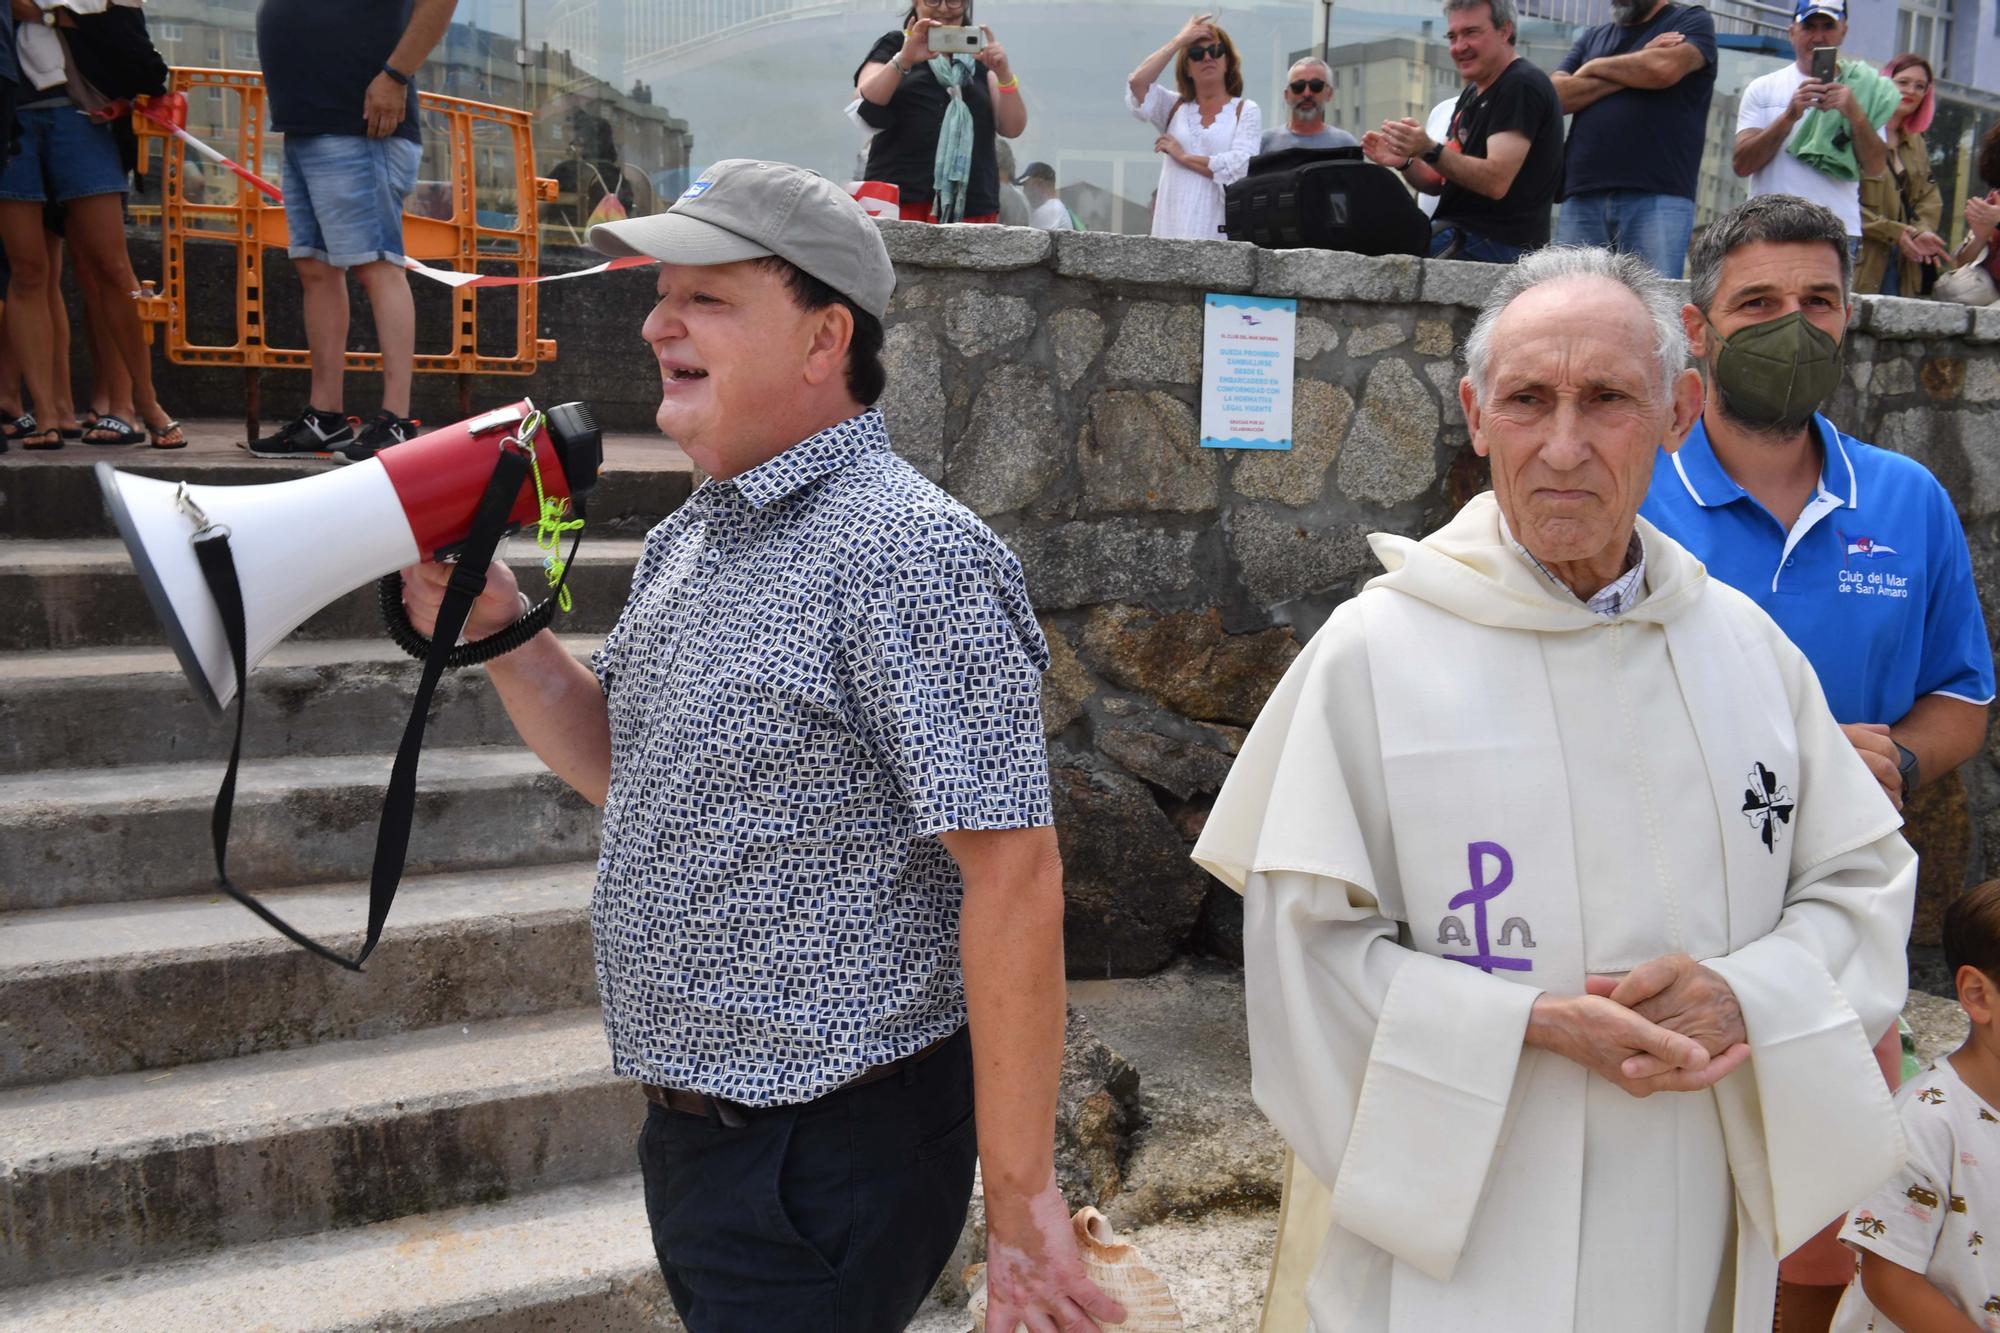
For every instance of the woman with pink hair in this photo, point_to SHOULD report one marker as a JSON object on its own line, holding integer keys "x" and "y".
{"x": 1900, "y": 247}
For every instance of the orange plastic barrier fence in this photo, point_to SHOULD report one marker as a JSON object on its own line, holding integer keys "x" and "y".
{"x": 480, "y": 216}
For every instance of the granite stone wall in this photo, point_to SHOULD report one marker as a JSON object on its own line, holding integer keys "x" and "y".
{"x": 1052, "y": 383}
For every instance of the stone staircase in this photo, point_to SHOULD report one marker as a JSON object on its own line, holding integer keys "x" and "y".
{"x": 202, "y": 1127}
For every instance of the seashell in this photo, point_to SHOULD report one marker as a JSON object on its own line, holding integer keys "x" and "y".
{"x": 1115, "y": 1267}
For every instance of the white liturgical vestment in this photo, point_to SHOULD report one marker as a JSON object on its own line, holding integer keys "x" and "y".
{"x": 1470, "y": 789}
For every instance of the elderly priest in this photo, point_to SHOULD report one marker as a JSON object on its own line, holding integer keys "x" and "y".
{"x": 1569, "y": 909}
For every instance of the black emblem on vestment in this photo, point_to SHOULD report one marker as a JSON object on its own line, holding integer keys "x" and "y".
{"x": 1767, "y": 805}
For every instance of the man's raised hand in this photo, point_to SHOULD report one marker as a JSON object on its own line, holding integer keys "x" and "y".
{"x": 1406, "y": 138}
{"x": 1841, "y": 98}
{"x": 495, "y": 609}
{"x": 1380, "y": 151}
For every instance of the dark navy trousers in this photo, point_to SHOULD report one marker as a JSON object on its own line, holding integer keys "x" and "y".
{"x": 835, "y": 1216}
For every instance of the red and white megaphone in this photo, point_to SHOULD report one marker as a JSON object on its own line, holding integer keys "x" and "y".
{"x": 302, "y": 544}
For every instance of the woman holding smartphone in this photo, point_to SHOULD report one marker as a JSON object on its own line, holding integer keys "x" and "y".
{"x": 937, "y": 109}
{"x": 1206, "y": 129}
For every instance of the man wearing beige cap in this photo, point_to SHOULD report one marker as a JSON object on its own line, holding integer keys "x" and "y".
{"x": 829, "y": 888}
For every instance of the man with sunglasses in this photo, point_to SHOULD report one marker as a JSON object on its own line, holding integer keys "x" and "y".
{"x": 1305, "y": 94}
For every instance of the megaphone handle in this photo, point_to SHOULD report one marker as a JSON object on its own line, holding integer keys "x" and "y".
{"x": 396, "y": 620}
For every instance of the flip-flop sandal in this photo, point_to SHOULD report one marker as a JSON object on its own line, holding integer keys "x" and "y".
{"x": 24, "y": 424}
{"x": 70, "y": 432}
{"x": 120, "y": 432}
{"x": 51, "y": 438}
{"x": 169, "y": 436}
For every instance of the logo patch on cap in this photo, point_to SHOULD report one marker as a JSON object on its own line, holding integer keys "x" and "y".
{"x": 695, "y": 191}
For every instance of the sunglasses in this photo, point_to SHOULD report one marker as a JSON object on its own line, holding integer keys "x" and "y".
{"x": 1217, "y": 51}
{"x": 1308, "y": 85}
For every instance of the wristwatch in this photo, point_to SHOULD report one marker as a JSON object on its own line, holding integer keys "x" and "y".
{"x": 1906, "y": 764}
{"x": 897, "y": 61}
{"x": 1432, "y": 154}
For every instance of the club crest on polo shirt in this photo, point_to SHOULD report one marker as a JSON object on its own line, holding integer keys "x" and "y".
{"x": 1866, "y": 548}
{"x": 1858, "y": 551}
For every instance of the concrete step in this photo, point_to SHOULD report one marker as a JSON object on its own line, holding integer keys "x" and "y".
{"x": 102, "y": 1174}
{"x": 83, "y": 594}
{"x": 57, "y": 496}
{"x": 577, "y": 1258}
{"x": 117, "y": 706}
{"x": 111, "y": 988}
{"x": 119, "y": 835}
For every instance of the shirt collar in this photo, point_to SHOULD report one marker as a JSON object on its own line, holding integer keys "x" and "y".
{"x": 1709, "y": 486}
{"x": 810, "y": 459}
{"x": 1614, "y": 598}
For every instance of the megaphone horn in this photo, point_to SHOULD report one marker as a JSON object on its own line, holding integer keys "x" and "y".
{"x": 302, "y": 544}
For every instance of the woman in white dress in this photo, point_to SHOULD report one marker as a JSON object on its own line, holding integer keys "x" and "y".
{"x": 1208, "y": 132}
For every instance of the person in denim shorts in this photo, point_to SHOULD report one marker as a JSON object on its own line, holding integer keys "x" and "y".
{"x": 69, "y": 159}
{"x": 338, "y": 82}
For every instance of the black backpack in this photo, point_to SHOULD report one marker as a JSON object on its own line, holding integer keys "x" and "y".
{"x": 1327, "y": 199}
{"x": 115, "y": 54}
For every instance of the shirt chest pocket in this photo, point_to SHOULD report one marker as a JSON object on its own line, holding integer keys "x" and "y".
{"x": 769, "y": 697}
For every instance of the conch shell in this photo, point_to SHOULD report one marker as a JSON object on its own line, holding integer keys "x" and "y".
{"x": 1115, "y": 1267}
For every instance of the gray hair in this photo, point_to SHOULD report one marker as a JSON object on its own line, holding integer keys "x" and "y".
{"x": 1781, "y": 218}
{"x": 1559, "y": 263}
{"x": 1502, "y": 11}
{"x": 1325, "y": 70}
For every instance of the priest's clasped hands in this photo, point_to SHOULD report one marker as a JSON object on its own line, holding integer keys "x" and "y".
{"x": 1670, "y": 1025}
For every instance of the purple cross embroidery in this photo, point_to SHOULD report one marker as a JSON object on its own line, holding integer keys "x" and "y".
{"x": 1481, "y": 891}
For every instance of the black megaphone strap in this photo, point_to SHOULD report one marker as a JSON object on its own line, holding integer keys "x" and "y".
{"x": 392, "y": 838}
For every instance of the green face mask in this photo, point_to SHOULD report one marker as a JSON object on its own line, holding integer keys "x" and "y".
{"x": 1776, "y": 374}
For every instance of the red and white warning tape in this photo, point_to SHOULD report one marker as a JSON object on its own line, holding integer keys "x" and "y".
{"x": 451, "y": 277}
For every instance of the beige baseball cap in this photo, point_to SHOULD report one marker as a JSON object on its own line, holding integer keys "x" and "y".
{"x": 744, "y": 209}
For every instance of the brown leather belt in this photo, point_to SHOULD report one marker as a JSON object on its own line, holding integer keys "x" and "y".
{"x": 735, "y": 1115}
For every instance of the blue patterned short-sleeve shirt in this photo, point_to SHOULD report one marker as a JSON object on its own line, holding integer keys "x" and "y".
{"x": 825, "y": 662}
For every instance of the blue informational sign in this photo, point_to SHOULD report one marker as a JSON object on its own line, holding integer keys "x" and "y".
{"x": 1246, "y": 371}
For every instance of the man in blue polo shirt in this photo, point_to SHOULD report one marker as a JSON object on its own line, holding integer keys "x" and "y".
{"x": 1856, "y": 552}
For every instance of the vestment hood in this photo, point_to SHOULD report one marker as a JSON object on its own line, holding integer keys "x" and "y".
{"x": 1468, "y": 568}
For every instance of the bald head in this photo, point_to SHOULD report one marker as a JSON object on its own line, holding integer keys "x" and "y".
{"x": 1584, "y": 268}
{"x": 1591, "y": 317}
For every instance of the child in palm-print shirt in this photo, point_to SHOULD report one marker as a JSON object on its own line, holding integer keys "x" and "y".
{"x": 1928, "y": 1241}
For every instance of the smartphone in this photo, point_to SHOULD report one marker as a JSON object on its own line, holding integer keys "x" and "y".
{"x": 1825, "y": 64}
{"x": 956, "y": 41}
